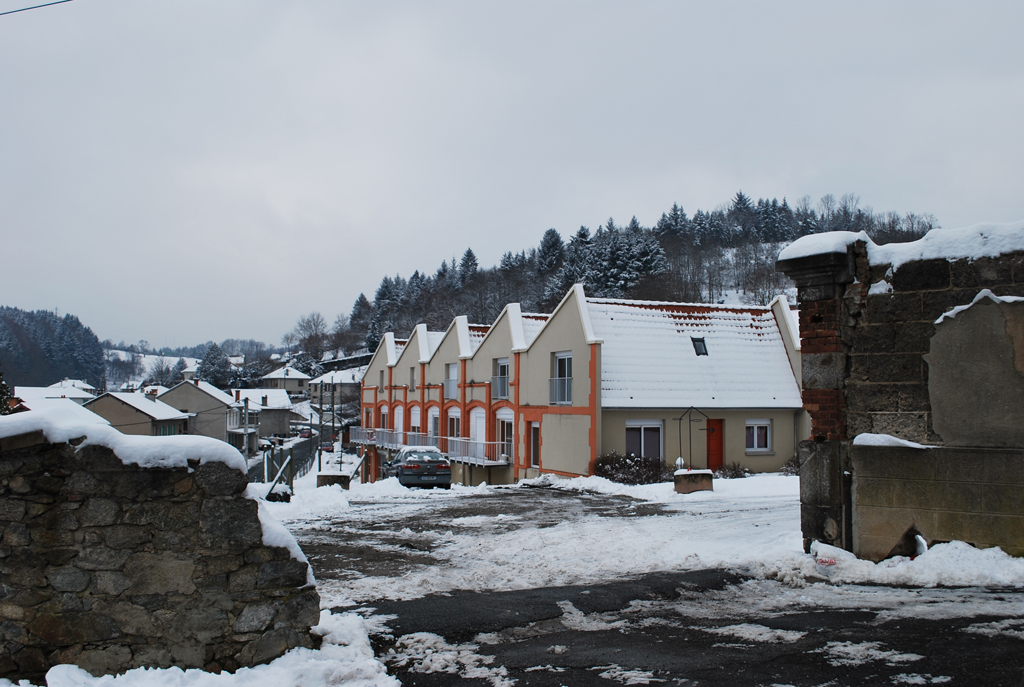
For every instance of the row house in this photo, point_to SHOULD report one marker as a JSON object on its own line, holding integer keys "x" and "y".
{"x": 536, "y": 393}
{"x": 214, "y": 414}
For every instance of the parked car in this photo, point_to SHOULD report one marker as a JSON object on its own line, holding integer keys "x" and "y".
{"x": 420, "y": 466}
{"x": 327, "y": 447}
{"x": 304, "y": 434}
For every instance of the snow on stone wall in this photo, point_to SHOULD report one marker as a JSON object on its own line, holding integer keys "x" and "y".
{"x": 112, "y": 560}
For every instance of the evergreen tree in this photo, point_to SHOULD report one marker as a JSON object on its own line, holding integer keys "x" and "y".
{"x": 468, "y": 266}
{"x": 306, "y": 364}
{"x": 550, "y": 253}
{"x": 215, "y": 368}
{"x": 178, "y": 371}
{"x": 6, "y": 397}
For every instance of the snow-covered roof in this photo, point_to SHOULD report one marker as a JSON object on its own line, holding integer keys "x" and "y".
{"x": 75, "y": 383}
{"x": 286, "y": 372}
{"x": 353, "y": 375}
{"x": 276, "y": 398}
{"x": 26, "y": 393}
{"x": 477, "y": 333}
{"x": 977, "y": 241}
{"x": 532, "y": 324}
{"x": 67, "y": 407}
{"x": 61, "y": 425}
{"x": 158, "y": 410}
{"x": 209, "y": 389}
{"x": 426, "y": 342}
{"x": 648, "y": 358}
{"x": 154, "y": 389}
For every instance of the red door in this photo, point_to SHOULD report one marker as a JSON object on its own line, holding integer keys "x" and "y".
{"x": 715, "y": 451}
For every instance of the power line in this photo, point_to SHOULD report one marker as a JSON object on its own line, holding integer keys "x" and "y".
{"x": 35, "y": 7}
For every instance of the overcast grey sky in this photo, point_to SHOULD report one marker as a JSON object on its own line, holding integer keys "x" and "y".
{"x": 181, "y": 171}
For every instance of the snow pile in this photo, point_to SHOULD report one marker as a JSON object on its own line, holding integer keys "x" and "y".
{"x": 972, "y": 243}
{"x": 954, "y": 564}
{"x": 984, "y": 293}
{"x": 868, "y": 439}
{"x": 59, "y": 427}
{"x": 850, "y": 654}
{"x": 344, "y": 658}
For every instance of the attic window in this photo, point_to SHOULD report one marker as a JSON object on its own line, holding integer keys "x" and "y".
{"x": 699, "y": 347}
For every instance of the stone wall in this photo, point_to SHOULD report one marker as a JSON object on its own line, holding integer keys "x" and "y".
{"x": 943, "y": 494}
{"x": 112, "y": 566}
{"x": 866, "y": 331}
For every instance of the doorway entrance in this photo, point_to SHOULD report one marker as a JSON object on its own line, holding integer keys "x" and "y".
{"x": 716, "y": 453}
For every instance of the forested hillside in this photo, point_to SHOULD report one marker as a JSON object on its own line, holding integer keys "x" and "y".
{"x": 40, "y": 348}
{"x": 696, "y": 258}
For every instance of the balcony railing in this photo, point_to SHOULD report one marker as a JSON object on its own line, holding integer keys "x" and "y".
{"x": 484, "y": 453}
{"x": 560, "y": 390}
{"x": 499, "y": 387}
{"x": 451, "y": 389}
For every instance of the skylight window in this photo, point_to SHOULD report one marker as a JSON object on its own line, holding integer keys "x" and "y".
{"x": 699, "y": 346}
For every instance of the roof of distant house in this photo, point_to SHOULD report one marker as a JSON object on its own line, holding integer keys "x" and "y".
{"x": 29, "y": 392}
{"x": 207, "y": 388}
{"x": 158, "y": 410}
{"x": 65, "y": 406}
{"x": 275, "y": 398}
{"x": 353, "y": 375}
{"x": 288, "y": 372}
{"x": 649, "y": 356}
{"x": 76, "y": 383}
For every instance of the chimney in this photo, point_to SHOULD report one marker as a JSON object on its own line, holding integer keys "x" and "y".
{"x": 196, "y": 382}
{"x": 238, "y": 395}
{"x": 264, "y": 404}
{"x": 151, "y": 394}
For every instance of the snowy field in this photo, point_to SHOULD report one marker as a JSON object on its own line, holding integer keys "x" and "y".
{"x": 747, "y": 525}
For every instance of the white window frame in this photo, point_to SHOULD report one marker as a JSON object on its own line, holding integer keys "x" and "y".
{"x": 641, "y": 424}
{"x": 754, "y": 424}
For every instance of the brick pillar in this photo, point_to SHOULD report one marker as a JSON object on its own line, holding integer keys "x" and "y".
{"x": 821, "y": 282}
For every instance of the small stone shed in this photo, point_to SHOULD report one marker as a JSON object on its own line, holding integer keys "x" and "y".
{"x": 913, "y": 374}
{"x": 119, "y": 552}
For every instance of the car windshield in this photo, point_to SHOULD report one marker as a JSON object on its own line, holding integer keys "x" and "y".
{"x": 423, "y": 456}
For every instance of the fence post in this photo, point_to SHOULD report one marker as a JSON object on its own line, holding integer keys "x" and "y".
{"x": 291, "y": 472}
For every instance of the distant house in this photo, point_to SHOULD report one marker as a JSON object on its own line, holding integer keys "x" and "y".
{"x": 338, "y": 390}
{"x": 66, "y": 406}
{"x": 274, "y": 409}
{"x": 216, "y": 414}
{"x": 74, "y": 384}
{"x": 76, "y": 394}
{"x": 131, "y": 413}
{"x": 535, "y": 393}
{"x": 287, "y": 378}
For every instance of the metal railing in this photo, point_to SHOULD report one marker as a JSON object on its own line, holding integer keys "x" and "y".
{"x": 451, "y": 389}
{"x": 362, "y": 435}
{"x": 560, "y": 389}
{"x": 499, "y": 387}
{"x": 476, "y": 452}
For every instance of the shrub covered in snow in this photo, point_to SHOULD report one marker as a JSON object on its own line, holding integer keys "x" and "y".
{"x": 631, "y": 469}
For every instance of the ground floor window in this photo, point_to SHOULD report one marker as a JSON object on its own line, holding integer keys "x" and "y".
{"x": 759, "y": 435}
{"x": 505, "y": 437}
{"x": 454, "y": 426}
{"x": 643, "y": 440}
{"x": 535, "y": 444}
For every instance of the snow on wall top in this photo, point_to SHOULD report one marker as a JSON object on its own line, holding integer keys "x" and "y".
{"x": 978, "y": 241}
{"x": 158, "y": 410}
{"x": 648, "y": 358}
{"x": 983, "y": 294}
{"x": 60, "y": 426}
{"x": 286, "y": 372}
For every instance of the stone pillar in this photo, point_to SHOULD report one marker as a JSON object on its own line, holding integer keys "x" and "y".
{"x": 821, "y": 282}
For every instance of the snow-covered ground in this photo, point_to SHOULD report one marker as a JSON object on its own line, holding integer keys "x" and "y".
{"x": 748, "y": 525}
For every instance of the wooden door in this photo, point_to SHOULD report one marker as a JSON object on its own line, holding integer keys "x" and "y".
{"x": 716, "y": 453}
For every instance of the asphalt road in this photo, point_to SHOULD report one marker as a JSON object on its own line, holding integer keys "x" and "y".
{"x": 652, "y": 630}
{"x": 707, "y": 627}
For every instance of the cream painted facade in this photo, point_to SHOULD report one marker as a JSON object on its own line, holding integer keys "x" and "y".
{"x": 553, "y": 413}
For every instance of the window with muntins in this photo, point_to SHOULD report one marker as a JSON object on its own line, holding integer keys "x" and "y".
{"x": 499, "y": 382}
{"x": 561, "y": 383}
{"x": 759, "y": 435}
{"x": 643, "y": 440}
